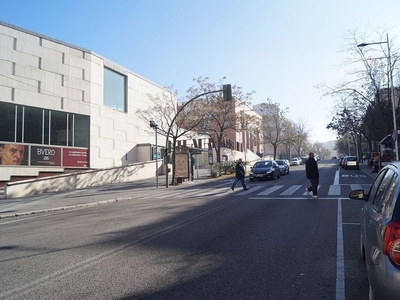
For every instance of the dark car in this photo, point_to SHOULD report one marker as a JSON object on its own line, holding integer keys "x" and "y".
{"x": 284, "y": 167}
{"x": 380, "y": 232}
{"x": 264, "y": 169}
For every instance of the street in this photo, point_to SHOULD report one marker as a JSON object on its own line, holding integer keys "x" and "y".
{"x": 194, "y": 242}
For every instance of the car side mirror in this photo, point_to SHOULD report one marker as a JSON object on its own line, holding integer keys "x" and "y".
{"x": 358, "y": 195}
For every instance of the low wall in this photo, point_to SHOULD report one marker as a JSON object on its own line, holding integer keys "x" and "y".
{"x": 80, "y": 180}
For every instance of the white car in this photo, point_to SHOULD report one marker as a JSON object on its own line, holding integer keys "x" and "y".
{"x": 296, "y": 161}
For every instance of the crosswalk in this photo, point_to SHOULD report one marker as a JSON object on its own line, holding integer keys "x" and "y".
{"x": 256, "y": 190}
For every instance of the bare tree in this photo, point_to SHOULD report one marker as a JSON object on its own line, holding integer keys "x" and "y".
{"x": 366, "y": 96}
{"x": 218, "y": 117}
{"x": 299, "y": 137}
{"x": 274, "y": 124}
{"x": 170, "y": 119}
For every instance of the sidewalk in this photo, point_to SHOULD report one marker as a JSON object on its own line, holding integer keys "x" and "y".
{"x": 87, "y": 197}
{"x": 367, "y": 170}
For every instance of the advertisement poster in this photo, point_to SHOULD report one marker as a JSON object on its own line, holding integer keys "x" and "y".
{"x": 75, "y": 157}
{"x": 182, "y": 165}
{"x": 13, "y": 154}
{"x": 45, "y": 156}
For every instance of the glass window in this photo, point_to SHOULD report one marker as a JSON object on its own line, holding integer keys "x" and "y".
{"x": 58, "y": 128}
{"x": 7, "y": 122}
{"x": 46, "y": 129}
{"x": 20, "y": 113}
{"x": 374, "y": 187}
{"x": 81, "y": 131}
{"x": 114, "y": 90}
{"x": 382, "y": 189}
{"x": 33, "y": 125}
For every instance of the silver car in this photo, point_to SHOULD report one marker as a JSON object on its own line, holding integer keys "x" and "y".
{"x": 296, "y": 161}
{"x": 284, "y": 167}
{"x": 380, "y": 233}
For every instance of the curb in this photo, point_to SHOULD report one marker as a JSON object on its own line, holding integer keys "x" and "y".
{"x": 91, "y": 204}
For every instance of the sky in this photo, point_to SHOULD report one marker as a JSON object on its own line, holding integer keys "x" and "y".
{"x": 282, "y": 50}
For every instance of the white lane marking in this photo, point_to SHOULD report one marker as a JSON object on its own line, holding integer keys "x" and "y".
{"x": 340, "y": 291}
{"x": 291, "y": 190}
{"x": 221, "y": 191}
{"x": 355, "y": 187}
{"x": 337, "y": 176}
{"x": 251, "y": 189}
{"x": 334, "y": 190}
{"x": 270, "y": 190}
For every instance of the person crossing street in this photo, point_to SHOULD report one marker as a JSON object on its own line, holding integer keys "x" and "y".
{"x": 312, "y": 174}
{"x": 240, "y": 175}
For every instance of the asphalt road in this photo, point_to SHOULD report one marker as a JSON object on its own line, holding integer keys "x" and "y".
{"x": 196, "y": 241}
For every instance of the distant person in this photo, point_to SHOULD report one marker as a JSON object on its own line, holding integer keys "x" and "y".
{"x": 240, "y": 175}
{"x": 375, "y": 162}
{"x": 11, "y": 154}
{"x": 312, "y": 174}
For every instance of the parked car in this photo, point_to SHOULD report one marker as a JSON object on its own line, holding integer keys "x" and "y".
{"x": 264, "y": 169}
{"x": 284, "y": 167}
{"x": 350, "y": 162}
{"x": 296, "y": 161}
{"x": 380, "y": 232}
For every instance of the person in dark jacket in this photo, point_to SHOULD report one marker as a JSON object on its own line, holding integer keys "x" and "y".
{"x": 312, "y": 175}
{"x": 240, "y": 175}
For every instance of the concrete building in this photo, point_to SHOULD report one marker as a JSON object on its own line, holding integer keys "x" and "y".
{"x": 66, "y": 108}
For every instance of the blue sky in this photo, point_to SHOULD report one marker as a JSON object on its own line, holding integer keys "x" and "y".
{"x": 280, "y": 49}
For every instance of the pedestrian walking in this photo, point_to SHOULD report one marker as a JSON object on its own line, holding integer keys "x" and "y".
{"x": 375, "y": 161}
{"x": 312, "y": 175}
{"x": 240, "y": 175}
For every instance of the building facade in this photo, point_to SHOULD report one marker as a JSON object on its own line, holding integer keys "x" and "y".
{"x": 65, "y": 108}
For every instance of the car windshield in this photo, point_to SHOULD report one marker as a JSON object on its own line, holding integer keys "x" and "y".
{"x": 262, "y": 164}
{"x": 280, "y": 162}
{"x": 351, "y": 158}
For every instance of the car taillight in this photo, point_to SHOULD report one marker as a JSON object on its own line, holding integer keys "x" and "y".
{"x": 391, "y": 242}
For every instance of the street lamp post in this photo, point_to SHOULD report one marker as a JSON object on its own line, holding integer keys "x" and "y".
{"x": 155, "y": 126}
{"x": 390, "y": 72}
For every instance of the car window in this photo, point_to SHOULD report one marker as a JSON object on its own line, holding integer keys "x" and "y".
{"x": 262, "y": 164}
{"x": 387, "y": 205}
{"x": 374, "y": 187}
{"x": 382, "y": 191}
